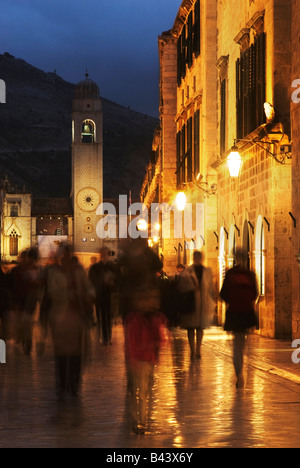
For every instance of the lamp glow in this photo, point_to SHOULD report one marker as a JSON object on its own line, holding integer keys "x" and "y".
{"x": 142, "y": 225}
{"x": 181, "y": 201}
{"x": 235, "y": 162}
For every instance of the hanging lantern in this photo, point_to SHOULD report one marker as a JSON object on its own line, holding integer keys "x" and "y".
{"x": 235, "y": 162}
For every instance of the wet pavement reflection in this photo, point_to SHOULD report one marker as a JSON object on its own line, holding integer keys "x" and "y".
{"x": 194, "y": 403}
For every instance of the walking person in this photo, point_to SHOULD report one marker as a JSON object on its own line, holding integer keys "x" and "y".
{"x": 144, "y": 334}
{"x": 5, "y": 304}
{"x": 70, "y": 297}
{"x": 195, "y": 285}
{"x": 103, "y": 277}
{"x": 27, "y": 287}
{"x": 240, "y": 292}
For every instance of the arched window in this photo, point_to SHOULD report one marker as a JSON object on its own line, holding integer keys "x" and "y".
{"x": 260, "y": 259}
{"x": 88, "y": 131}
{"x": 13, "y": 244}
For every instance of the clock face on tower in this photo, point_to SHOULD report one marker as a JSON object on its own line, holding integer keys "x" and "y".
{"x": 88, "y": 199}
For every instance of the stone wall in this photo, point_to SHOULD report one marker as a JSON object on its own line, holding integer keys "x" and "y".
{"x": 168, "y": 102}
{"x": 295, "y": 120}
{"x": 261, "y": 196}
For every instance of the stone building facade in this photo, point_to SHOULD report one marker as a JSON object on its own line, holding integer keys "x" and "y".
{"x": 254, "y": 210}
{"x": 17, "y": 224}
{"x": 28, "y": 222}
{"x": 235, "y": 72}
{"x": 295, "y": 121}
{"x": 185, "y": 144}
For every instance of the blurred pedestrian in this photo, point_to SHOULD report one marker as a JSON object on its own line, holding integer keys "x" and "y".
{"x": 5, "y": 304}
{"x": 26, "y": 278}
{"x": 195, "y": 285}
{"x": 103, "y": 276}
{"x": 145, "y": 333}
{"x": 240, "y": 292}
{"x": 140, "y": 269}
{"x": 45, "y": 305}
{"x": 71, "y": 297}
{"x": 179, "y": 269}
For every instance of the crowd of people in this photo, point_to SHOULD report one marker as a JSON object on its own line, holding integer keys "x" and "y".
{"x": 71, "y": 300}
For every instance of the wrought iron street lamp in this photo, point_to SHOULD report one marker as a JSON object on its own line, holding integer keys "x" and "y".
{"x": 271, "y": 133}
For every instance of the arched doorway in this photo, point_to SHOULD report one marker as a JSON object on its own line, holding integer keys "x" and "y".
{"x": 247, "y": 243}
{"x": 260, "y": 259}
{"x": 222, "y": 269}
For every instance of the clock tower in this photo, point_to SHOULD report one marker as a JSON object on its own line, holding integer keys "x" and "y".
{"x": 87, "y": 167}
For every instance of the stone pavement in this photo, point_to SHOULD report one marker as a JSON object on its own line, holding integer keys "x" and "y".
{"x": 194, "y": 403}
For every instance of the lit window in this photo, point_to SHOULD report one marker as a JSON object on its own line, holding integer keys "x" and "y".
{"x": 14, "y": 211}
{"x": 88, "y": 132}
{"x": 13, "y": 244}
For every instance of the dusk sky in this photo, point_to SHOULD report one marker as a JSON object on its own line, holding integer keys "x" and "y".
{"x": 116, "y": 40}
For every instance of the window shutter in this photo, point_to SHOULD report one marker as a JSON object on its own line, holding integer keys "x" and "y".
{"x": 250, "y": 88}
{"x": 239, "y": 109}
{"x": 197, "y": 29}
{"x": 183, "y": 52}
{"x": 261, "y": 77}
{"x": 179, "y": 46}
{"x": 190, "y": 41}
{"x": 223, "y": 117}
{"x": 182, "y": 161}
{"x": 178, "y": 150}
{"x": 196, "y": 143}
{"x": 189, "y": 154}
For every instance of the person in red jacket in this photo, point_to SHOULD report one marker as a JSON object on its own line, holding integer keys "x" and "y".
{"x": 145, "y": 331}
{"x": 240, "y": 292}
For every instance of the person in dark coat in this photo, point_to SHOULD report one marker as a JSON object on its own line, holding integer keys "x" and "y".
{"x": 5, "y": 304}
{"x": 103, "y": 276}
{"x": 26, "y": 278}
{"x": 70, "y": 299}
{"x": 240, "y": 292}
{"x": 140, "y": 267}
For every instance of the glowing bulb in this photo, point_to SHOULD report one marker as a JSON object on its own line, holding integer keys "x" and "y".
{"x": 235, "y": 162}
{"x": 181, "y": 201}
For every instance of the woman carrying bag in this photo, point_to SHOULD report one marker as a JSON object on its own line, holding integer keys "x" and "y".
{"x": 196, "y": 289}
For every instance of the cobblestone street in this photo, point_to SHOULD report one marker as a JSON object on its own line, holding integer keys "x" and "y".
{"x": 194, "y": 404}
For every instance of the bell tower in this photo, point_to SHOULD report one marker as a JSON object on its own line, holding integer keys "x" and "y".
{"x": 87, "y": 167}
